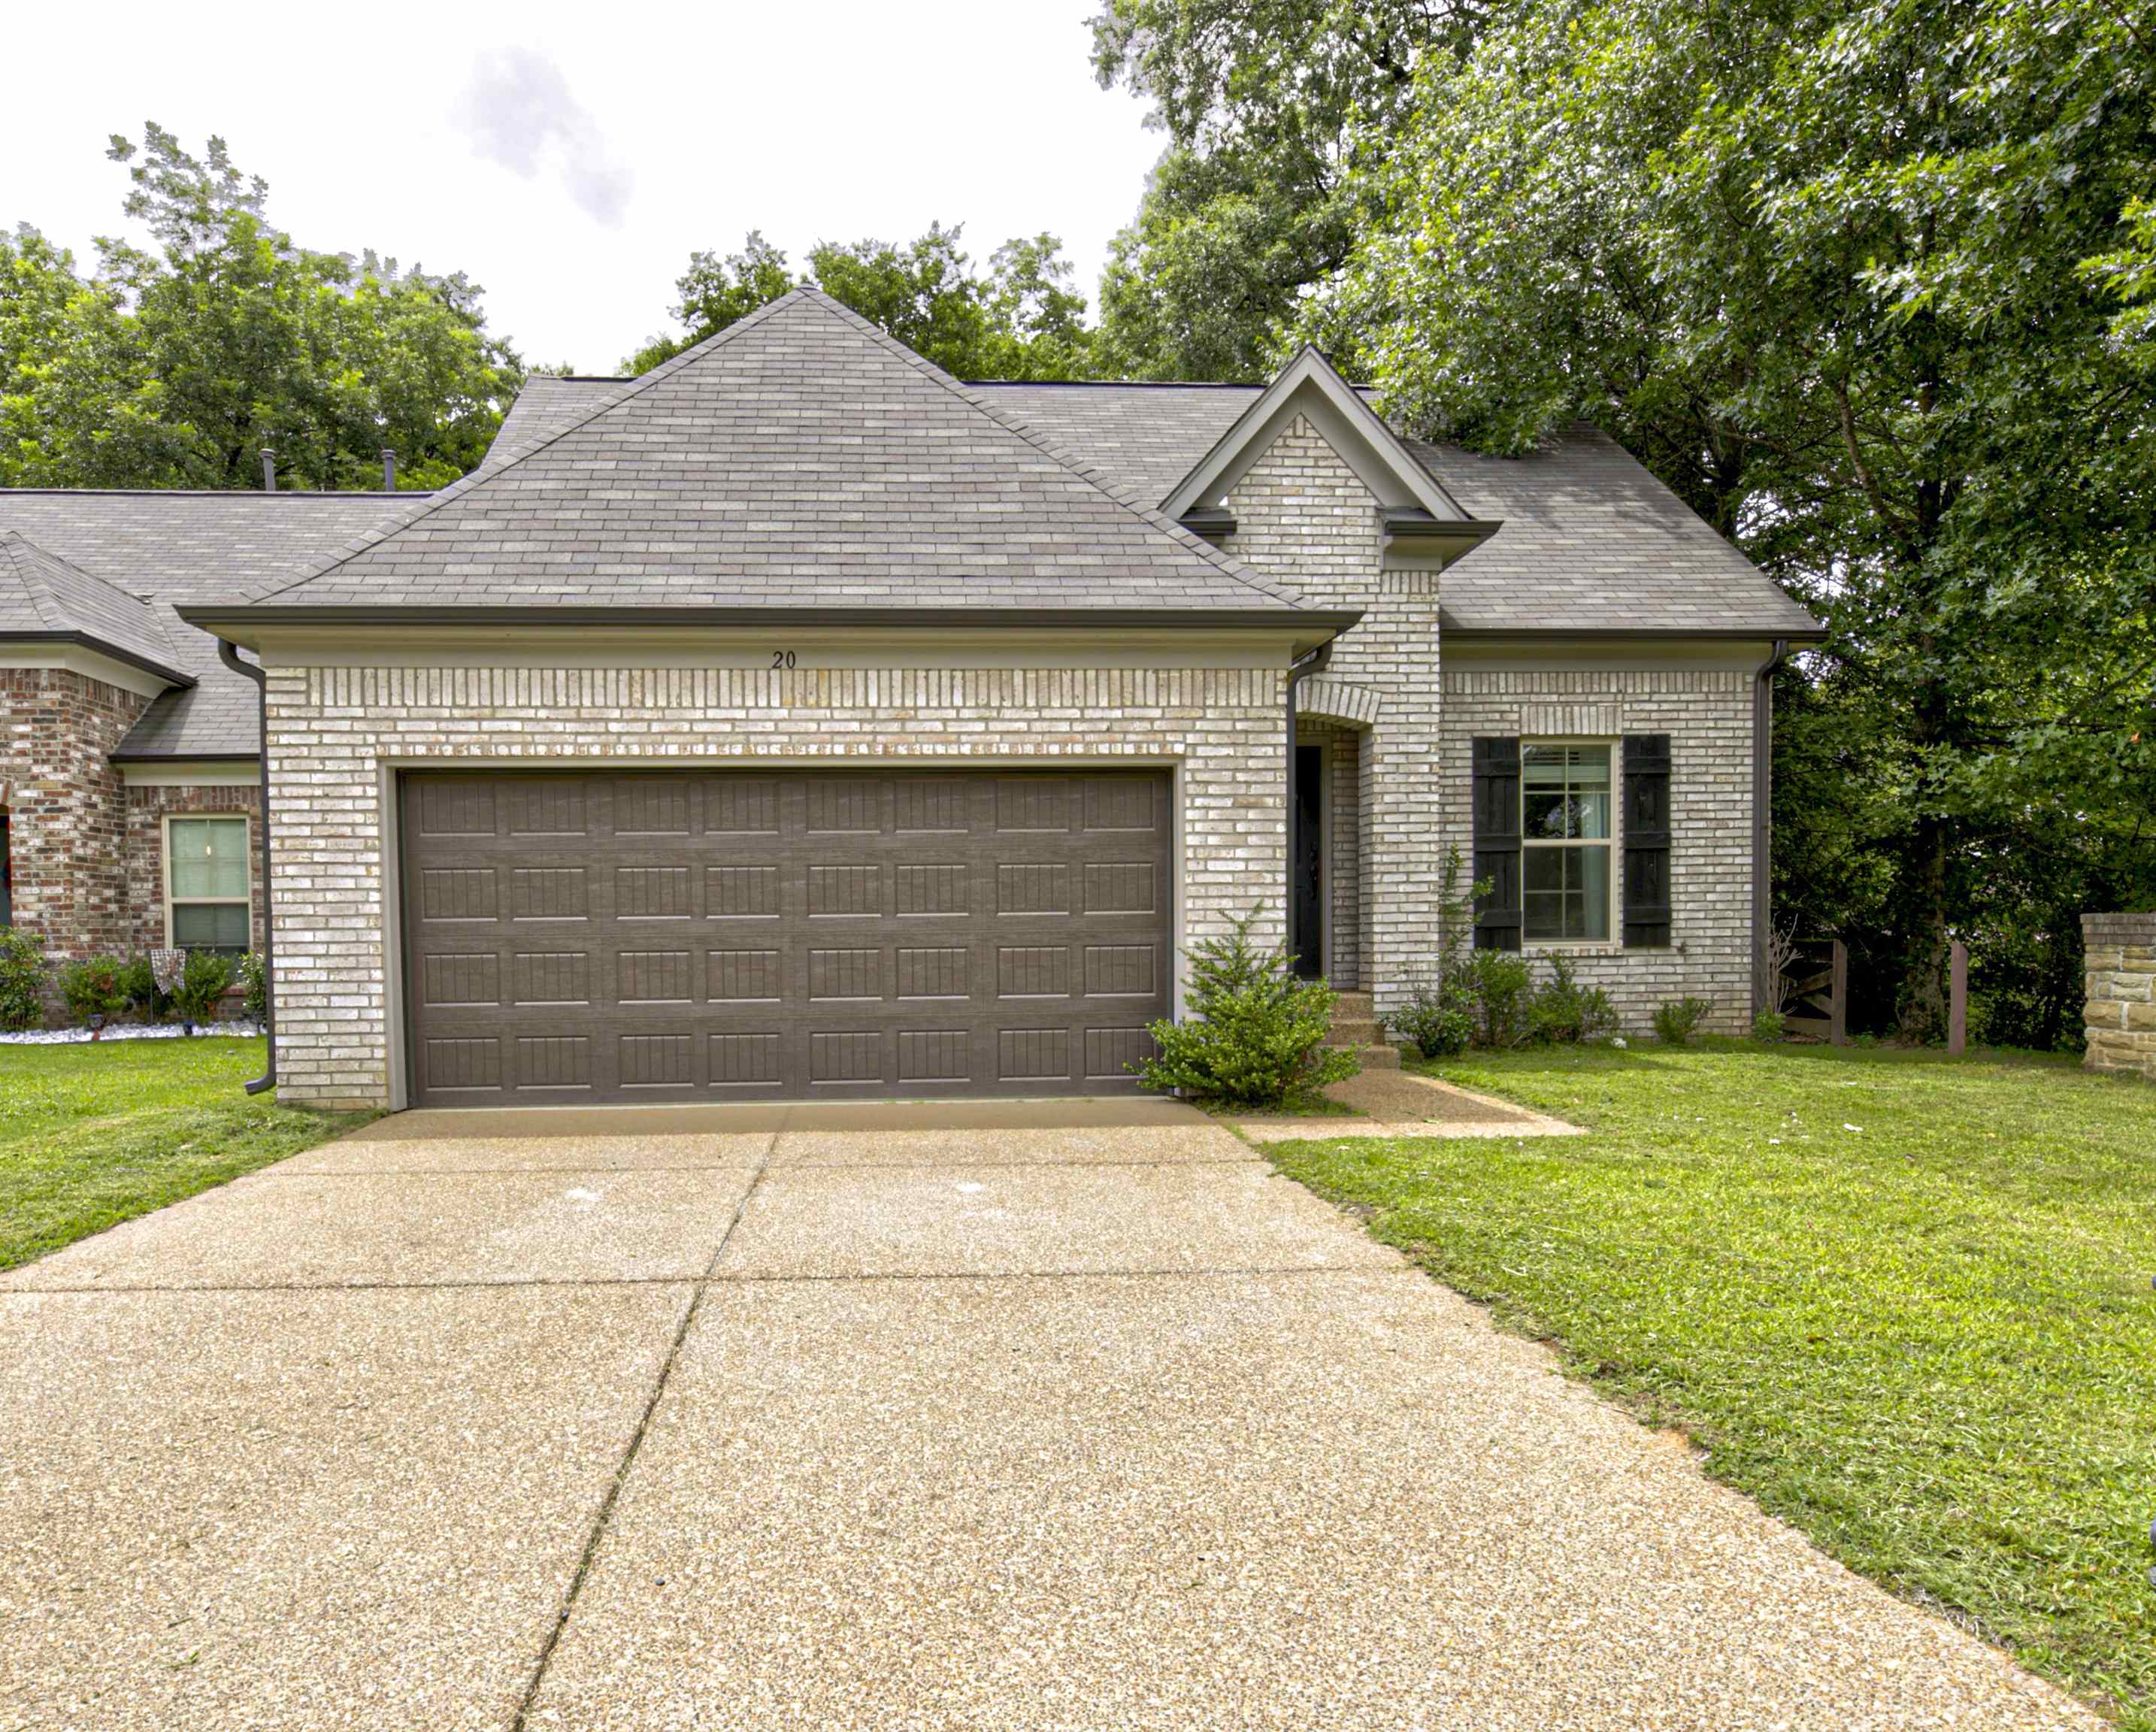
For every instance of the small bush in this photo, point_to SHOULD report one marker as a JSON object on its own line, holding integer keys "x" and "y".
{"x": 1564, "y": 1012}
{"x": 1436, "y": 1020}
{"x": 22, "y": 980}
{"x": 1678, "y": 1020}
{"x": 1500, "y": 989}
{"x": 96, "y": 986}
{"x": 255, "y": 977}
{"x": 201, "y": 984}
{"x": 1256, "y": 1034}
{"x": 1768, "y": 1026}
{"x": 139, "y": 980}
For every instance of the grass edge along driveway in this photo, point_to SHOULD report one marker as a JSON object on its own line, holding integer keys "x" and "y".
{"x": 94, "y": 1134}
{"x": 1901, "y": 1302}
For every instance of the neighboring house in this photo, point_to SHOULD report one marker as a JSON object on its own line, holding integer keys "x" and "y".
{"x": 796, "y": 720}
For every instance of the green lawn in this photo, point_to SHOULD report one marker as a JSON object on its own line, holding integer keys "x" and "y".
{"x": 1904, "y": 1301}
{"x": 90, "y": 1135}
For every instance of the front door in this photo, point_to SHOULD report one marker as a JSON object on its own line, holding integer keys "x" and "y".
{"x": 1307, "y": 919}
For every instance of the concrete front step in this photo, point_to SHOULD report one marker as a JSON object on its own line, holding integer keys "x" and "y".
{"x": 1355, "y": 1024}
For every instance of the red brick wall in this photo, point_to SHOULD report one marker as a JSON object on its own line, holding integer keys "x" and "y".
{"x": 67, "y": 808}
{"x": 147, "y": 807}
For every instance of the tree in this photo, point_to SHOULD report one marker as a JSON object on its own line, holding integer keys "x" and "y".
{"x": 1848, "y": 276}
{"x": 177, "y": 363}
{"x": 1267, "y": 107}
{"x": 1023, "y": 321}
{"x": 713, "y": 292}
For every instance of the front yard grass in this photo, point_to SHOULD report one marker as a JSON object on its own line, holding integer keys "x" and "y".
{"x": 1903, "y": 1302}
{"x": 94, "y": 1134}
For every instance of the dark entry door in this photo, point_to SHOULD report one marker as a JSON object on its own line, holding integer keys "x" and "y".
{"x": 582, "y": 937}
{"x": 1307, "y": 919}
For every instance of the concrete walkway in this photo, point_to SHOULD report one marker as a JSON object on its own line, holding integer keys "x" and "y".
{"x": 1064, "y": 1415}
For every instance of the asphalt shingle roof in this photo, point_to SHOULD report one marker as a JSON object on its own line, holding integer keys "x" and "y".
{"x": 827, "y": 465}
{"x": 801, "y": 458}
{"x": 181, "y": 547}
{"x": 42, "y": 595}
{"x": 1590, "y": 541}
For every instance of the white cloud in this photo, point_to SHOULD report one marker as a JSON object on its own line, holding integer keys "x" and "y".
{"x": 517, "y": 112}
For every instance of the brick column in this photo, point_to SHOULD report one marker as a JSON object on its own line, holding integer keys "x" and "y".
{"x": 2120, "y": 955}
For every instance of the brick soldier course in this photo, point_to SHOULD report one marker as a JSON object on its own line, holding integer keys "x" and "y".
{"x": 800, "y": 544}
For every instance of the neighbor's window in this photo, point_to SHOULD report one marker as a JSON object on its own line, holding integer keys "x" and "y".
{"x": 1565, "y": 843}
{"x": 6, "y": 873}
{"x": 206, "y": 885}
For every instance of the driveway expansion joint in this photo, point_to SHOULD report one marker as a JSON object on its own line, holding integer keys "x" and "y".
{"x": 621, "y": 1473}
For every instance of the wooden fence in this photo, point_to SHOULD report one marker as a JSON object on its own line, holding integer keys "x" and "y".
{"x": 1817, "y": 985}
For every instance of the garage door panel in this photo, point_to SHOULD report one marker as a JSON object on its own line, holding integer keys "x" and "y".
{"x": 729, "y": 934}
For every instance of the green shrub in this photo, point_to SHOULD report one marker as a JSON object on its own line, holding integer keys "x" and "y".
{"x": 1768, "y": 1026}
{"x": 22, "y": 980}
{"x": 1564, "y": 1012}
{"x": 201, "y": 984}
{"x": 1678, "y": 1020}
{"x": 1499, "y": 990}
{"x": 255, "y": 977}
{"x": 1436, "y": 1020}
{"x": 139, "y": 983}
{"x": 96, "y": 986}
{"x": 1255, "y": 1036}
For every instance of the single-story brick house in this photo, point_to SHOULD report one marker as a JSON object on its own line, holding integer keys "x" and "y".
{"x": 797, "y": 721}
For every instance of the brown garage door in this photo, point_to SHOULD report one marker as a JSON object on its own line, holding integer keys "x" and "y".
{"x": 732, "y": 935}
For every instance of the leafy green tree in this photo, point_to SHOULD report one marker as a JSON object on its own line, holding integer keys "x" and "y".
{"x": 1849, "y": 275}
{"x": 1267, "y": 107}
{"x": 178, "y": 361}
{"x": 713, "y": 292}
{"x": 1023, "y": 321}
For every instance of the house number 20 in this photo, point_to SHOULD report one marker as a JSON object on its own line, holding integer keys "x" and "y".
{"x": 781, "y": 658}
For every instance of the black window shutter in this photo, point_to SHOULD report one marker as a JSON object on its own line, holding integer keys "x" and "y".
{"x": 1646, "y": 840}
{"x": 1497, "y": 843}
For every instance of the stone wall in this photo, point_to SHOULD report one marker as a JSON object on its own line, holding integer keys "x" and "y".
{"x": 67, "y": 807}
{"x": 338, "y": 731}
{"x": 1304, "y": 517}
{"x": 147, "y": 807}
{"x": 2119, "y": 952}
{"x": 1707, "y": 714}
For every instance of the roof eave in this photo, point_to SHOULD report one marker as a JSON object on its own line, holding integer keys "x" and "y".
{"x": 91, "y": 641}
{"x": 1814, "y": 634}
{"x": 183, "y": 757}
{"x": 220, "y": 620}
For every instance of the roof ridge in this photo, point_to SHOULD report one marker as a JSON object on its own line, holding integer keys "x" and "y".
{"x": 486, "y": 474}
{"x": 1040, "y": 442}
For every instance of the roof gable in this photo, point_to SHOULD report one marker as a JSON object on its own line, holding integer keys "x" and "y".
{"x": 42, "y": 596}
{"x": 800, "y": 458}
{"x": 1310, "y": 386}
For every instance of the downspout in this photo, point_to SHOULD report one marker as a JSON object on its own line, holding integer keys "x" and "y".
{"x": 1298, "y": 670}
{"x": 230, "y": 657}
{"x": 1763, "y": 776}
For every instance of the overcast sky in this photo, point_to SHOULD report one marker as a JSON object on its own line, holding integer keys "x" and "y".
{"x": 570, "y": 157}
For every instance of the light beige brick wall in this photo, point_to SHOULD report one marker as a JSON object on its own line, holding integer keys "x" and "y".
{"x": 2119, "y": 953}
{"x": 1304, "y": 516}
{"x": 1707, "y": 714}
{"x": 336, "y": 732}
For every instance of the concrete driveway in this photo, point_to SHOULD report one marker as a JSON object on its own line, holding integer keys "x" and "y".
{"x": 1063, "y": 1416}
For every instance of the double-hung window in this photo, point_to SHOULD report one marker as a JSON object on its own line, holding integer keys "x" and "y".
{"x": 1565, "y": 875}
{"x": 207, "y": 902}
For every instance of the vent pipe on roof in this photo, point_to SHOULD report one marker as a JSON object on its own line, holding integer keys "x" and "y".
{"x": 388, "y": 469}
{"x": 268, "y": 471}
